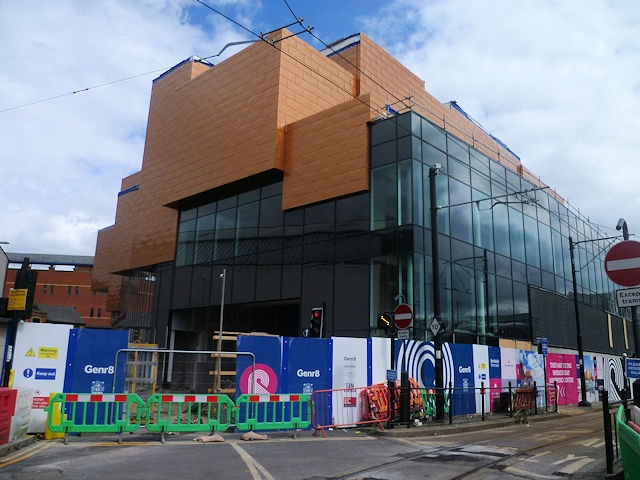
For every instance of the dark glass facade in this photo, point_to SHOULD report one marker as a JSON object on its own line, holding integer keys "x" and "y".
{"x": 361, "y": 255}
{"x": 499, "y": 234}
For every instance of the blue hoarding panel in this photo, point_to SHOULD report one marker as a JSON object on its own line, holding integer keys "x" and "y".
{"x": 90, "y": 366}
{"x": 309, "y": 365}
{"x": 90, "y": 360}
{"x": 268, "y": 355}
{"x": 463, "y": 401}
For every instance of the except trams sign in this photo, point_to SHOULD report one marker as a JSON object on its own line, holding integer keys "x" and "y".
{"x": 628, "y": 297}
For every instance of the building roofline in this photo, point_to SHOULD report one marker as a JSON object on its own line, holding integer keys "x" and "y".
{"x": 51, "y": 259}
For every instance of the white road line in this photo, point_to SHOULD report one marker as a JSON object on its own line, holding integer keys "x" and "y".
{"x": 258, "y": 472}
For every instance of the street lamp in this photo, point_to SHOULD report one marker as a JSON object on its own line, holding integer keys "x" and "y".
{"x": 223, "y": 276}
{"x": 622, "y": 225}
{"x": 583, "y": 387}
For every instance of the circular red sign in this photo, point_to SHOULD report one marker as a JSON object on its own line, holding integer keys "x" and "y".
{"x": 402, "y": 316}
{"x": 622, "y": 263}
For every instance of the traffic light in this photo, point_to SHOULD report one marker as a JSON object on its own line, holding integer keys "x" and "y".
{"x": 386, "y": 323}
{"x": 317, "y": 320}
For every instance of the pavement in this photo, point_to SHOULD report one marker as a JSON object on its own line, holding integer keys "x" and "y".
{"x": 430, "y": 427}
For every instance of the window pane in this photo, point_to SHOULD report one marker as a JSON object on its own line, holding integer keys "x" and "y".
{"x": 186, "y": 242}
{"x": 531, "y": 241}
{"x": 405, "y": 188}
{"x": 204, "y": 238}
{"x": 501, "y": 228}
{"x": 247, "y": 229}
{"x": 516, "y": 234}
{"x": 225, "y": 234}
{"x": 384, "y": 197}
{"x": 434, "y": 135}
{"x": 458, "y": 149}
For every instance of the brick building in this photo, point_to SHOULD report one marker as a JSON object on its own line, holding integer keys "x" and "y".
{"x": 63, "y": 281}
{"x": 306, "y": 176}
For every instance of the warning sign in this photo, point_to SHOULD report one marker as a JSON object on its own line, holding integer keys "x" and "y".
{"x": 17, "y": 299}
{"x": 48, "y": 352}
{"x": 30, "y": 353}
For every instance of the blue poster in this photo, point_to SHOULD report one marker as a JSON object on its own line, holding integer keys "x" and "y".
{"x": 495, "y": 370}
{"x": 268, "y": 357}
{"x": 91, "y": 368}
{"x": 91, "y": 357}
{"x": 308, "y": 365}
{"x": 463, "y": 400}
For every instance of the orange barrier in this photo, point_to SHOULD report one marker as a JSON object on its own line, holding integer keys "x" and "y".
{"x": 346, "y": 407}
{"x": 376, "y": 405}
{"x": 416, "y": 404}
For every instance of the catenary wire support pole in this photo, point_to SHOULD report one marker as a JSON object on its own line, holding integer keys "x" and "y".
{"x": 622, "y": 225}
{"x": 437, "y": 343}
{"x": 223, "y": 275}
{"x": 576, "y": 306}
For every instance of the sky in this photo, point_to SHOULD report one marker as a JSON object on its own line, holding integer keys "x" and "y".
{"x": 557, "y": 81}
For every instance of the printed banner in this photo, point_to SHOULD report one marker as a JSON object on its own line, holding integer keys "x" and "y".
{"x": 380, "y": 359}
{"x": 39, "y": 359}
{"x": 91, "y": 361}
{"x": 481, "y": 369}
{"x": 309, "y": 365}
{"x": 464, "y": 398}
{"x": 268, "y": 355}
{"x": 350, "y": 364}
{"x": 495, "y": 379}
{"x": 561, "y": 369}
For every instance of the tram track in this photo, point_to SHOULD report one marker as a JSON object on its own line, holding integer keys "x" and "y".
{"x": 498, "y": 458}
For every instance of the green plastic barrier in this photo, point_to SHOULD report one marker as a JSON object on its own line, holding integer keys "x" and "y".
{"x": 97, "y": 413}
{"x": 189, "y": 413}
{"x": 273, "y": 412}
{"x": 629, "y": 446}
{"x": 429, "y": 401}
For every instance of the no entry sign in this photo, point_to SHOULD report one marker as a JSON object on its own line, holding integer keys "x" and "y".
{"x": 622, "y": 263}
{"x": 402, "y": 316}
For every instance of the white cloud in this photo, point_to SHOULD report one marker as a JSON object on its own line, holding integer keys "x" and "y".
{"x": 62, "y": 160}
{"x": 556, "y": 81}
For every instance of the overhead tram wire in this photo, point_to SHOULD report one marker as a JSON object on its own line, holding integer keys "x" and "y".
{"x": 265, "y": 38}
{"x": 16, "y": 107}
{"x": 299, "y": 20}
{"x": 398, "y": 100}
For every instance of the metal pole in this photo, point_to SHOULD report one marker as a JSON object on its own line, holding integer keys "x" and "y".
{"x": 583, "y": 387}
{"x": 608, "y": 437}
{"x": 622, "y": 225}
{"x": 437, "y": 344}
{"x": 223, "y": 275}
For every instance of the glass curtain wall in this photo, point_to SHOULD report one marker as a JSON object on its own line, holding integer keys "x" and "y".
{"x": 498, "y": 231}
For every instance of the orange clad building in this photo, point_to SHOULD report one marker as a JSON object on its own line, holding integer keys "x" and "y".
{"x": 288, "y": 178}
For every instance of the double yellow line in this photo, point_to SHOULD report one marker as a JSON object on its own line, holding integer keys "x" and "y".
{"x": 24, "y": 453}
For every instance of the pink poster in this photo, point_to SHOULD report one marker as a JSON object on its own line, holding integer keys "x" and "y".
{"x": 561, "y": 368}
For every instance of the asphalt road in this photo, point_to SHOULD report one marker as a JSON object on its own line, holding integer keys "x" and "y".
{"x": 570, "y": 446}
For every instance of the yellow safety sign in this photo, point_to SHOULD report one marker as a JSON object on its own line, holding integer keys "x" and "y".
{"x": 17, "y": 299}
{"x": 48, "y": 352}
{"x": 30, "y": 353}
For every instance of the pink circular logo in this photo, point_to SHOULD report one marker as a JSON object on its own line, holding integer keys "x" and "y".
{"x": 264, "y": 380}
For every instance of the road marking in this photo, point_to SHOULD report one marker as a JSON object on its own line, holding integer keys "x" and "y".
{"x": 592, "y": 442}
{"x": 577, "y": 462}
{"x": 258, "y": 472}
{"x": 528, "y": 474}
{"x": 18, "y": 457}
{"x": 536, "y": 457}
